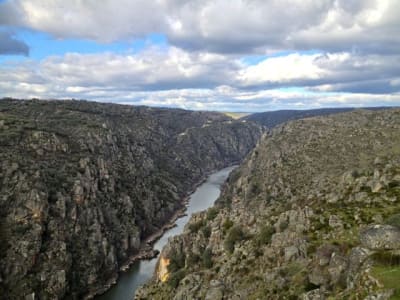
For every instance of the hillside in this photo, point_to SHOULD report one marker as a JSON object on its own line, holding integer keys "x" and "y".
{"x": 313, "y": 213}
{"x": 83, "y": 184}
{"x": 271, "y": 119}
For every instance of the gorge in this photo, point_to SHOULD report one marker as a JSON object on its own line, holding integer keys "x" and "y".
{"x": 84, "y": 184}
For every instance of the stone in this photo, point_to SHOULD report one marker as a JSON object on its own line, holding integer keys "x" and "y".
{"x": 291, "y": 252}
{"x": 216, "y": 290}
{"x": 335, "y": 222}
{"x": 380, "y": 237}
{"x": 30, "y": 297}
{"x": 337, "y": 266}
{"x": 316, "y": 294}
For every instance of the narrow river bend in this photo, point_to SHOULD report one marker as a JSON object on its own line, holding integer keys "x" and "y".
{"x": 141, "y": 271}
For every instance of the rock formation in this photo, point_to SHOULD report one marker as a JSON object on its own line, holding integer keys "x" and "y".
{"x": 312, "y": 213}
{"x": 83, "y": 184}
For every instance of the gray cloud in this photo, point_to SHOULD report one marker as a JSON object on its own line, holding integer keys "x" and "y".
{"x": 208, "y": 81}
{"x": 11, "y": 45}
{"x": 223, "y": 26}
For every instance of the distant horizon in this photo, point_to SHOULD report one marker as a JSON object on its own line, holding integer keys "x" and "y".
{"x": 220, "y": 55}
{"x": 205, "y": 110}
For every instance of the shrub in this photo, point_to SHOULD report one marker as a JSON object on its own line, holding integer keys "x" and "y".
{"x": 386, "y": 258}
{"x": 175, "y": 278}
{"x": 212, "y": 213}
{"x": 206, "y": 259}
{"x": 177, "y": 261}
{"x": 206, "y": 231}
{"x": 283, "y": 225}
{"x": 235, "y": 235}
{"x": 195, "y": 227}
{"x": 394, "y": 220}
{"x": 227, "y": 225}
{"x": 192, "y": 259}
{"x": 265, "y": 235}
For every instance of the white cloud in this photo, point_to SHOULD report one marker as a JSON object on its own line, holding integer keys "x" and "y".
{"x": 282, "y": 69}
{"x": 202, "y": 80}
{"x": 228, "y": 26}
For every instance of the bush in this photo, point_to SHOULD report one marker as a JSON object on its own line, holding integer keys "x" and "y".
{"x": 386, "y": 258}
{"x": 227, "y": 225}
{"x": 206, "y": 231}
{"x": 206, "y": 259}
{"x": 283, "y": 225}
{"x": 212, "y": 213}
{"x": 192, "y": 259}
{"x": 177, "y": 261}
{"x": 235, "y": 235}
{"x": 265, "y": 235}
{"x": 175, "y": 278}
{"x": 394, "y": 220}
{"x": 195, "y": 227}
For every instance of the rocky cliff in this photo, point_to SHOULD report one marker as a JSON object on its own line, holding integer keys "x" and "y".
{"x": 313, "y": 213}
{"x": 83, "y": 184}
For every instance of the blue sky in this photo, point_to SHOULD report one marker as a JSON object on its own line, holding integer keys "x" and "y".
{"x": 230, "y": 55}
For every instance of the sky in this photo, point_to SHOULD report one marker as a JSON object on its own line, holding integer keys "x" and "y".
{"x": 224, "y": 55}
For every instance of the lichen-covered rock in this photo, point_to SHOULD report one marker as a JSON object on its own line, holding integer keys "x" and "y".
{"x": 381, "y": 237}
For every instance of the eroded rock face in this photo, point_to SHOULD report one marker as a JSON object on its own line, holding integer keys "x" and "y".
{"x": 290, "y": 217}
{"x": 381, "y": 237}
{"x": 82, "y": 184}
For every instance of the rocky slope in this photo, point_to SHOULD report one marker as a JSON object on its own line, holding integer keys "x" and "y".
{"x": 271, "y": 119}
{"x": 313, "y": 213}
{"x": 83, "y": 184}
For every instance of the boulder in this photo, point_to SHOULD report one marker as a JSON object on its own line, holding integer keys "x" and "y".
{"x": 380, "y": 237}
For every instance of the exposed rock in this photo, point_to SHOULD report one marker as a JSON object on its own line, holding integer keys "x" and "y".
{"x": 84, "y": 184}
{"x": 301, "y": 199}
{"x": 380, "y": 237}
{"x": 316, "y": 294}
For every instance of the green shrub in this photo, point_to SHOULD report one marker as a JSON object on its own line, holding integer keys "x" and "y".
{"x": 207, "y": 259}
{"x": 394, "y": 220}
{"x": 386, "y": 258}
{"x": 212, "y": 213}
{"x": 283, "y": 225}
{"x": 175, "y": 278}
{"x": 195, "y": 227}
{"x": 206, "y": 231}
{"x": 235, "y": 235}
{"x": 177, "y": 261}
{"x": 265, "y": 235}
{"x": 192, "y": 259}
{"x": 226, "y": 225}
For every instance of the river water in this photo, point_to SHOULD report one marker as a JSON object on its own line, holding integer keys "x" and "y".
{"x": 140, "y": 272}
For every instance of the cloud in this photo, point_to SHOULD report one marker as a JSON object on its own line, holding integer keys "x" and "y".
{"x": 170, "y": 76}
{"x": 104, "y": 22}
{"x": 332, "y": 72}
{"x": 11, "y": 45}
{"x": 222, "y": 26}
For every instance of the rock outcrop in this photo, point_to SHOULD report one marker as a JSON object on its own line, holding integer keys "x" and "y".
{"x": 302, "y": 218}
{"x": 83, "y": 185}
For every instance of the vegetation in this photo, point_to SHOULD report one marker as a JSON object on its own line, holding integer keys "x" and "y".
{"x": 235, "y": 234}
{"x": 389, "y": 276}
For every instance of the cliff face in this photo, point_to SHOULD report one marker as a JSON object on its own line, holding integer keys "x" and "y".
{"x": 83, "y": 184}
{"x": 313, "y": 213}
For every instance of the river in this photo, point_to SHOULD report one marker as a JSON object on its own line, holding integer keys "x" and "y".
{"x": 141, "y": 271}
